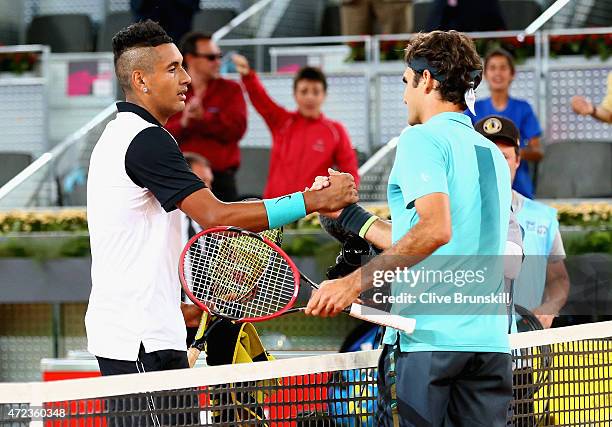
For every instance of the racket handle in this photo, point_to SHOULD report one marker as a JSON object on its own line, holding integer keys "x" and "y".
{"x": 382, "y": 318}
{"x": 192, "y": 356}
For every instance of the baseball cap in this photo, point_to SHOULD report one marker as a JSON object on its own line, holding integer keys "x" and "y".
{"x": 498, "y": 127}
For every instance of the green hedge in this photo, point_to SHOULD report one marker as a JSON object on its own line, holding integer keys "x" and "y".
{"x": 63, "y": 233}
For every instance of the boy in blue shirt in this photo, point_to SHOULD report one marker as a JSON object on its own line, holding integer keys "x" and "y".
{"x": 449, "y": 196}
{"x": 499, "y": 71}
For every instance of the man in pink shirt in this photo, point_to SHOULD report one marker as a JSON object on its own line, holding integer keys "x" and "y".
{"x": 305, "y": 143}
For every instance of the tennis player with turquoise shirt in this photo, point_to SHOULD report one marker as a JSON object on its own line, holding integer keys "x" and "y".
{"x": 449, "y": 197}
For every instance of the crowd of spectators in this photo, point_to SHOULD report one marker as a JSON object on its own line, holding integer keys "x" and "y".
{"x": 305, "y": 143}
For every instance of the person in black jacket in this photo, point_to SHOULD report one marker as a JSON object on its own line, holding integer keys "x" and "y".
{"x": 466, "y": 15}
{"x": 175, "y": 16}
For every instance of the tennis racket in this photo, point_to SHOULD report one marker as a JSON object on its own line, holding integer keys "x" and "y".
{"x": 242, "y": 276}
{"x": 531, "y": 374}
{"x": 193, "y": 353}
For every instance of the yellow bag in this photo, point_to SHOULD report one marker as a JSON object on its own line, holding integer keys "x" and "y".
{"x": 230, "y": 343}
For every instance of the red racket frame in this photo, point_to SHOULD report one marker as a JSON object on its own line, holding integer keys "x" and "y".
{"x": 274, "y": 246}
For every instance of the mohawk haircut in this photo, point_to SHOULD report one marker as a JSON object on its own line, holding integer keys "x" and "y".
{"x": 130, "y": 49}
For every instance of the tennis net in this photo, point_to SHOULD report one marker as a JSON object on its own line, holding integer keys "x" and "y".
{"x": 561, "y": 377}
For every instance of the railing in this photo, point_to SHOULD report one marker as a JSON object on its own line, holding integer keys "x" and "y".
{"x": 24, "y": 108}
{"x": 243, "y": 17}
{"x": 40, "y": 184}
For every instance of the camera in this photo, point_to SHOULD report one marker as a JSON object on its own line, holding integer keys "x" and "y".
{"x": 355, "y": 252}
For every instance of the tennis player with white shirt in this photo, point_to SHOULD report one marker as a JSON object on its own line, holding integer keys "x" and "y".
{"x": 449, "y": 197}
{"x": 137, "y": 179}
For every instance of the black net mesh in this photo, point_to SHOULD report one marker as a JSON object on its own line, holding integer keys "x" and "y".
{"x": 564, "y": 383}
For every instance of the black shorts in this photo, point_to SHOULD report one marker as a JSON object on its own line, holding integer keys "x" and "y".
{"x": 450, "y": 389}
{"x": 149, "y": 409}
{"x": 161, "y": 360}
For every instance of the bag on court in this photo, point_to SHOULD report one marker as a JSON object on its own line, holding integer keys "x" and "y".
{"x": 230, "y": 343}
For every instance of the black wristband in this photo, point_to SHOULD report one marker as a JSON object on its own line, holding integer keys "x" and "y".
{"x": 353, "y": 217}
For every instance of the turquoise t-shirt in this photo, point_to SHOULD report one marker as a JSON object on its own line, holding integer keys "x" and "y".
{"x": 447, "y": 155}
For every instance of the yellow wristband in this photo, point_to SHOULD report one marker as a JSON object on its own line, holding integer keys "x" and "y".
{"x": 365, "y": 227}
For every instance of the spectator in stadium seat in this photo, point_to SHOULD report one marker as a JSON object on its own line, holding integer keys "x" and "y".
{"x": 601, "y": 112}
{"x": 305, "y": 143}
{"x": 466, "y": 15}
{"x": 215, "y": 115}
{"x": 543, "y": 283}
{"x": 499, "y": 71}
{"x": 175, "y": 16}
{"x": 360, "y": 16}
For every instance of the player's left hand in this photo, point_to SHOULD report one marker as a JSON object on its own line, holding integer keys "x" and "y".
{"x": 333, "y": 296}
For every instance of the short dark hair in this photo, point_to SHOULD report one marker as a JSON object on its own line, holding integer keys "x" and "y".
{"x": 141, "y": 34}
{"x": 453, "y": 55}
{"x": 310, "y": 73}
{"x": 193, "y": 158}
{"x": 190, "y": 40}
{"x": 500, "y": 52}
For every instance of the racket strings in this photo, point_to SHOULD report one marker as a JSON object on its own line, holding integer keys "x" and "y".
{"x": 238, "y": 276}
{"x": 234, "y": 280}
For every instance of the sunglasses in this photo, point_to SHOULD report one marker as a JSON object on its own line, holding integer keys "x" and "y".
{"x": 209, "y": 56}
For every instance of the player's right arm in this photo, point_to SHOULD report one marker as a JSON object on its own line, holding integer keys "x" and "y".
{"x": 153, "y": 161}
{"x": 204, "y": 208}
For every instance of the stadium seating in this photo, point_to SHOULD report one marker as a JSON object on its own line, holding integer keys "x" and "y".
{"x": 575, "y": 169}
{"x": 210, "y": 20}
{"x": 518, "y": 14}
{"x": 11, "y": 164}
{"x": 600, "y": 14}
{"x": 420, "y": 15}
{"x": 113, "y": 23}
{"x": 251, "y": 180}
{"x": 302, "y": 18}
{"x": 63, "y": 32}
